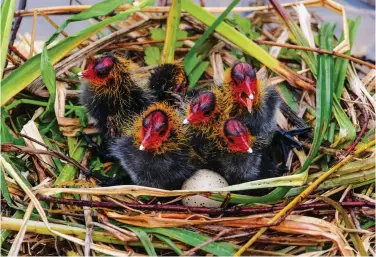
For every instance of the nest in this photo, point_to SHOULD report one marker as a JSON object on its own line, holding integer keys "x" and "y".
{"x": 324, "y": 206}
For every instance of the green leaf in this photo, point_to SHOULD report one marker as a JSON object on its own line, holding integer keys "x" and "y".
{"x": 145, "y": 240}
{"x": 290, "y": 99}
{"x": 245, "y": 26}
{"x": 30, "y": 70}
{"x": 49, "y": 78}
{"x": 7, "y": 13}
{"x": 341, "y": 63}
{"x": 76, "y": 152}
{"x": 4, "y": 189}
{"x": 197, "y": 73}
{"x": 195, "y": 239}
{"x": 160, "y": 34}
{"x": 81, "y": 114}
{"x": 96, "y": 164}
{"x": 152, "y": 55}
{"x": 347, "y": 131}
{"x": 171, "y": 244}
{"x": 6, "y": 136}
{"x": 172, "y": 31}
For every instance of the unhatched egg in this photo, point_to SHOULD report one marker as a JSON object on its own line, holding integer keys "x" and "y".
{"x": 203, "y": 179}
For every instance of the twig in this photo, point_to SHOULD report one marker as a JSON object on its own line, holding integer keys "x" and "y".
{"x": 7, "y": 147}
{"x": 119, "y": 45}
{"x": 362, "y": 132}
{"x": 33, "y": 31}
{"x": 321, "y": 51}
{"x": 18, "y": 53}
{"x": 51, "y": 22}
{"x": 203, "y": 210}
{"x": 17, "y": 22}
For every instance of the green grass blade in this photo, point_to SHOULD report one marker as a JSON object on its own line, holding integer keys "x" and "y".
{"x": 245, "y": 44}
{"x": 196, "y": 74}
{"x": 324, "y": 92}
{"x": 171, "y": 244}
{"x": 30, "y": 70}
{"x": 7, "y": 13}
{"x": 145, "y": 240}
{"x": 4, "y": 189}
{"x": 341, "y": 63}
{"x": 76, "y": 152}
{"x": 289, "y": 98}
{"x": 347, "y": 131}
{"x": 172, "y": 28}
{"x": 194, "y": 239}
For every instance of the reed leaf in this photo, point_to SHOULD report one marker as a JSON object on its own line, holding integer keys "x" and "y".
{"x": 194, "y": 239}
{"x": 341, "y": 63}
{"x": 7, "y": 13}
{"x": 145, "y": 240}
{"x": 170, "y": 243}
{"x": 245, "y": 44}
{"x": 347, "y": 131}
{"x": 172, "y": 28}
{"x": 30, "y": 70}
{"x": 76, "y": 151}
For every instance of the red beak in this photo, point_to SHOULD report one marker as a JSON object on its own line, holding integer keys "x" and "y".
{"x": 249, "y": 85}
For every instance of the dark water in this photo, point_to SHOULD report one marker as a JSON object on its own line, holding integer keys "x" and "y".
{"x": 364, "y": 45}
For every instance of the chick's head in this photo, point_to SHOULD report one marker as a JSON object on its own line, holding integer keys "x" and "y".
{"x": 237, "y": 136}
{"x": 99, "y": 70}
{"x": 244, "y": 85}
{"x": 155, "y": 129}
{"x": 202, "y": 109}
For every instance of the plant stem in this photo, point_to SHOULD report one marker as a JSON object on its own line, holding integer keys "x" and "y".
{"x": 173, "y": 22}
{"x": 317, "y": 50}
{"x": 177, "y": 208}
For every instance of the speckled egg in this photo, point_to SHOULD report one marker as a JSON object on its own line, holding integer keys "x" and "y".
{"x": 203, "y": 179}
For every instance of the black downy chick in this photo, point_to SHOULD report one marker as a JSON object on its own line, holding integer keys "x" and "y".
{"x": 203, "y": 114}
{"x": 168, "y": 81}
{"x": 234, "y": 158}
{"x": 155, "y": 150}
{"x": 110, "y": 95}
{"x": 256, "y": 105}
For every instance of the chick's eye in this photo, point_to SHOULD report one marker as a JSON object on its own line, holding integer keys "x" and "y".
{"x": 238, "y": 77}
{"x": 207, "y": 113}
{"x": 162, "y": 132}
{"x": 230, "y": 140}
{"x": 101, "y": 71}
